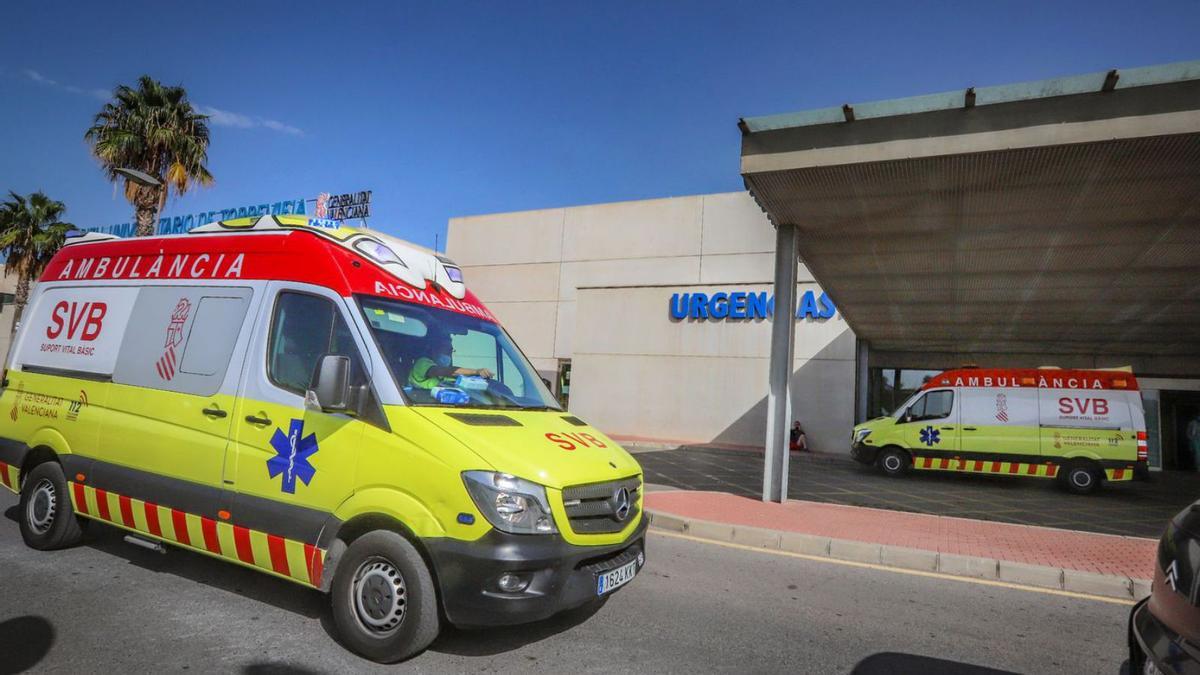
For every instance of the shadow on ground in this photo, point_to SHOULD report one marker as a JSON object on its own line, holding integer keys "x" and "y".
{"x": 24, "y": 642}
{"x": 27, "y": 639}
{"x": 492, "y": 641}
{"x": 895, "y": 663}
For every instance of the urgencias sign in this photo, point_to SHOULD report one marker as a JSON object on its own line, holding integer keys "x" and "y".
{"x": 743, "y": 306}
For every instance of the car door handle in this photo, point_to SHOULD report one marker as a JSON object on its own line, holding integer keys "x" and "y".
{"x": 214, "y": 412}
{"x": 947, "y": 428}
{"x": 970, "y": 429}
{"x": 253, "y": 419}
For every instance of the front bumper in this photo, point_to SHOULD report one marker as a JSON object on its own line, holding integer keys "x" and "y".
{"x": 864, "y": 453}
{"x": 561, "y": 575}
{"x": 1150, "y": 639}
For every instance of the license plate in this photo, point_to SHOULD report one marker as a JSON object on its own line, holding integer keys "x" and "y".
{"x": 611, "y": 581}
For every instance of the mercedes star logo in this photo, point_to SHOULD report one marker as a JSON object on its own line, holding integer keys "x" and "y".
{"x": 620, "y": 504}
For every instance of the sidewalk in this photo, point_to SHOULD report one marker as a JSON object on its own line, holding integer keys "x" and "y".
{"x": 1084, "y": 562}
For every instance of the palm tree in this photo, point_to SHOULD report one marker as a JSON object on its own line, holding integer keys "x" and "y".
{"x": 31, "y": 232}
{"x": 153, "y": 129}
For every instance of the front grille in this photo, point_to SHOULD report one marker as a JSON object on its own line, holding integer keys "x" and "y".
{"x": 592, "y": 508}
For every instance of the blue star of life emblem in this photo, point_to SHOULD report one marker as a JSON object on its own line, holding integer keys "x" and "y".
{"x": 931, "y": 436}
{"x": 292, "y": 452}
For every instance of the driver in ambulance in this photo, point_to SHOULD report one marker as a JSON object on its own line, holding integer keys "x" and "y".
{"x": 430, "y": 371}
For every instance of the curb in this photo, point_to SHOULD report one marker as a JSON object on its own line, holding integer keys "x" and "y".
{"x": 1076, "y": 581}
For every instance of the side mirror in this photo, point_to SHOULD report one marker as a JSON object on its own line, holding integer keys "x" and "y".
{"x": 548, "y": 385}
{"x": 330, "y": 388}
{"x": 908, "y": 416}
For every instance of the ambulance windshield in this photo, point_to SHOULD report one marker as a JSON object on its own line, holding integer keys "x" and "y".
{"x": 441, "y": 357}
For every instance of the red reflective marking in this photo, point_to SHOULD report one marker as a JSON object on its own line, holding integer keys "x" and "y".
{"x": 995, "y": 467}
{"x": 4, "y": 475}
{"x": 313, "y": 560}
{"x": 945, "y": 464}
{"x": 126, "y": 511}
{"x": 1014, "y": 467}
{"x": 80, "y": 498}
{"x": 1052, "y": 471}
{"x": 279, "y": 562}
{"x": 209, "y": 527}
{"x": 241, "y": 538}
{"x": 179, "y": 521}
{"x": 1031, "y": 469}
{"x": 102, "y": 504}
{"x": 1118, "y": 474}
{"x": 152, "y": 519}
{"x": 979, "y": 465}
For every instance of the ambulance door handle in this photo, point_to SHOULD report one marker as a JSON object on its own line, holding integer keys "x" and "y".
{"x": 258, "y": 420}
{"x": 947, "y": 428}
{"x": 970, "y": 429}
{"x": 214, "y": 412}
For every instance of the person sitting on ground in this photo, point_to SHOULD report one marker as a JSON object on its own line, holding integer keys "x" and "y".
{"x": 434, "y": 369}
{"x": 798, "y": 441}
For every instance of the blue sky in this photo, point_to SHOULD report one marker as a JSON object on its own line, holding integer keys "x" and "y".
{"x": 448, "y": 109}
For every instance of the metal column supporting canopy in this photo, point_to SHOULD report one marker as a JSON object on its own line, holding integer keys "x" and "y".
{"x": 783, "y": 342}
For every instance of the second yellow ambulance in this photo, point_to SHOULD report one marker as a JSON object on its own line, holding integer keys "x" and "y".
{"x": 1080, "y": 427}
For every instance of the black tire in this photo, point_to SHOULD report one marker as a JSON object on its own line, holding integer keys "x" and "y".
{"x": 47, "y": 517}
{"x": 383, "y": 598}
{"x": 893, "y": 461}
{"x": 1080, "y": 478}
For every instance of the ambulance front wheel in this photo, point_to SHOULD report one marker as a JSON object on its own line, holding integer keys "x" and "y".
{"x": 47, "y": 519}
{"x": 383, "y": 599}
{"x": 1080, "y": 478}
{"x": 894, "y": 461}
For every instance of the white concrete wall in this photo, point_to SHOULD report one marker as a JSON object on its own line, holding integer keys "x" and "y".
{"x": 592, "y": 283}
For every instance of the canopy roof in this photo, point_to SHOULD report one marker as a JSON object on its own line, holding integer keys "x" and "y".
{"x": 1060, "y": 216}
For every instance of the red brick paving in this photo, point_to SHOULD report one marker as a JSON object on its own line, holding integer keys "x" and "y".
{"x": 1084, "y": 551}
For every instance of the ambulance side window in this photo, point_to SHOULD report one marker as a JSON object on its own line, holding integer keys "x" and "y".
{"x": 180, "y": 338}
{"x": 932, "y": 406}
{"x": 303, "y": 329}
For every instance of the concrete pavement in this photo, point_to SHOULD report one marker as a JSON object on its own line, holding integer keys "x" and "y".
{"x": 107, "y": 606}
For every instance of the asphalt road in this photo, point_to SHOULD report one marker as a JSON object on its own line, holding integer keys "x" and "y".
{"x": 107, "y": 606}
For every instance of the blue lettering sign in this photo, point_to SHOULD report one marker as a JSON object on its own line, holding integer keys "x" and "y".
{"x": 740, "y": 306}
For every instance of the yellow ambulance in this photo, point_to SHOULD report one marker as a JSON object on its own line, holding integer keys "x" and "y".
{"x": 1080, "y": 427}
{"x": 325, "y": 404}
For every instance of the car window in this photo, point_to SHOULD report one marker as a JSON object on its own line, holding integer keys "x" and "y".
{"x": 303, "y": 329}
{"x": 933, "y": 405}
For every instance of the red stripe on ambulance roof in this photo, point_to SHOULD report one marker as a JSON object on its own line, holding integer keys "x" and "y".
{"x": 126, "y": 511}
{"x": 1034, "y": 378}
{"x": 102, "y": 504}
{"x": 80, "y": 498}
{"x": 278, "y": 549}
{"x": 299, "y": 255}
{"x": 179, "y": 522}
{"x": 211, "y": 542}
{"x": 152, "y": 523}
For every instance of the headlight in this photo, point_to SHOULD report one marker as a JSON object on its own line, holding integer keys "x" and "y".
{"x": 861, "y": 435}
{"x": 509, "y": 503}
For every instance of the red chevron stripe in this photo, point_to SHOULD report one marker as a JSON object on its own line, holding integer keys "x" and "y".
{"x": 241, "y": 539}
{"x": 278, "y": 549}
{"x": 179, "y": 521}
{"x": 80, "y": 498}
{"x": 211, "y": 542}
{"x": 126, "y": 511}
{"x": 152, "y": 519}
{"x": 102, "y": 504}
